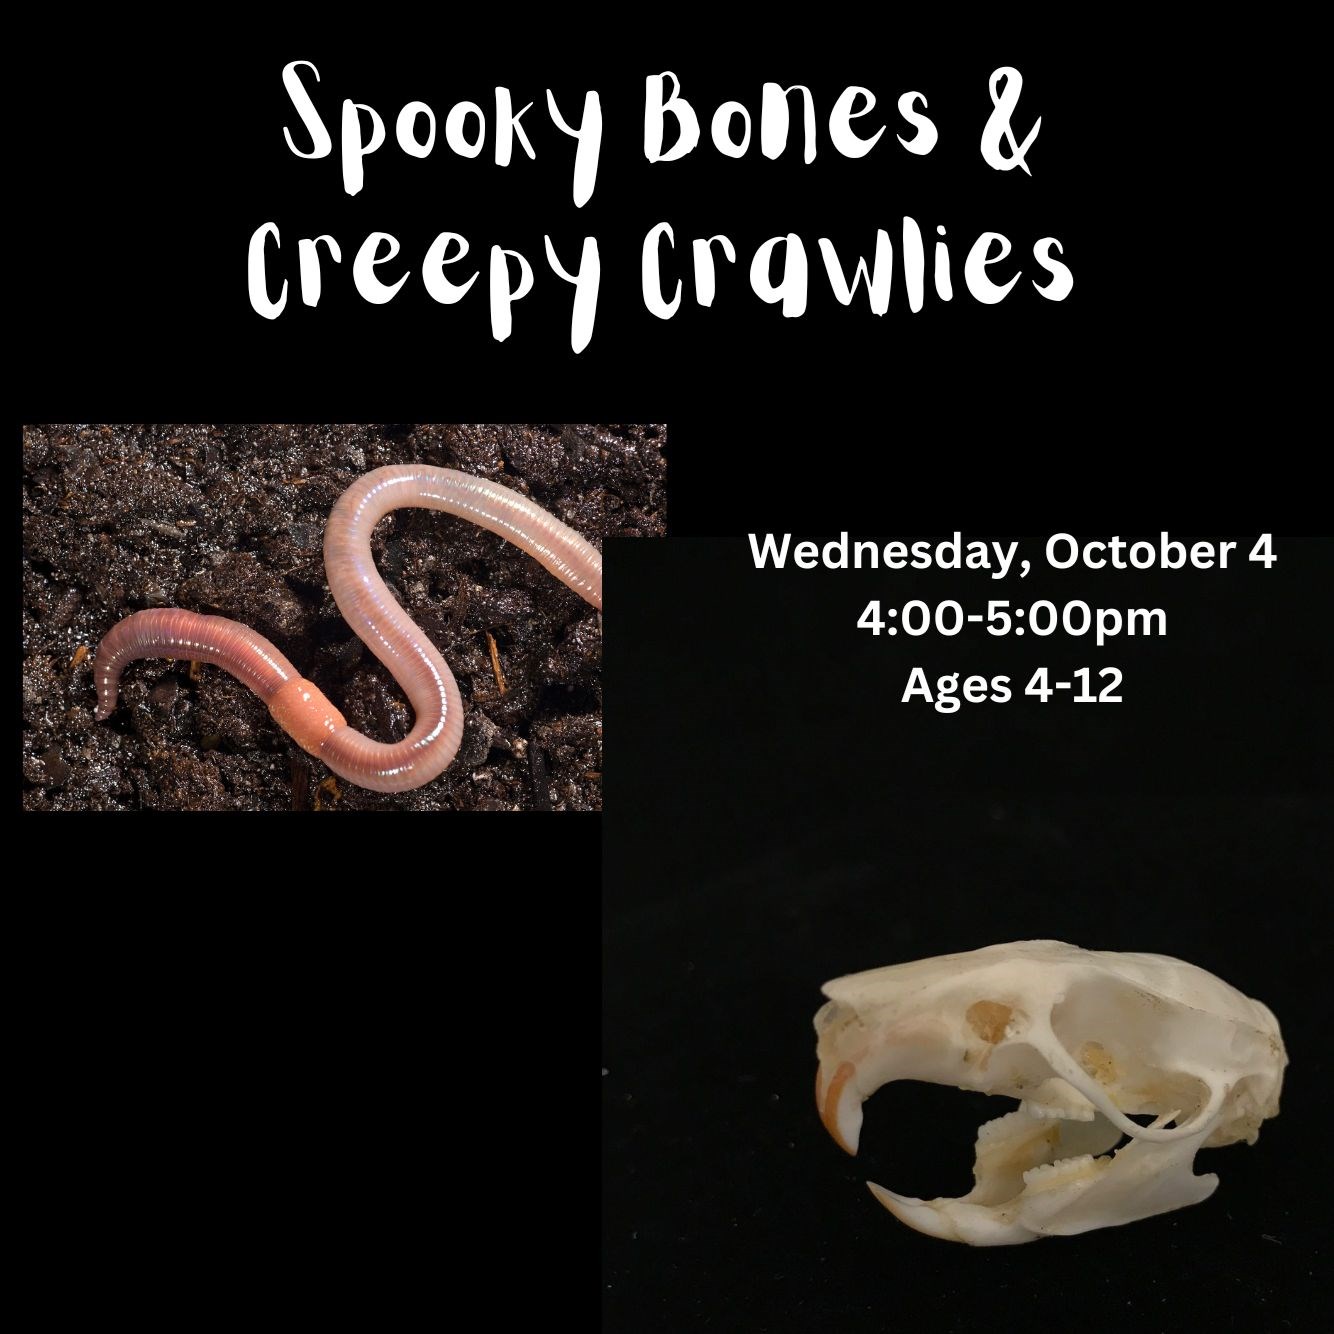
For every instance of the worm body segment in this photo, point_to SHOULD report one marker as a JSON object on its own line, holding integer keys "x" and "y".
{"x": 299, "y": 706}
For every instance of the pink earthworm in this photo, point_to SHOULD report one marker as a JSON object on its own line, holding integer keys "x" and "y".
{"x": 299, "y": 706}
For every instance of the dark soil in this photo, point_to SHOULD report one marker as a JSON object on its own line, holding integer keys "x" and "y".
{"x": 229, "y": 520}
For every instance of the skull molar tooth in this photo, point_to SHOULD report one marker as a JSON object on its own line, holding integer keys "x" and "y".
{"x": 1056, "y": 1099}
{"x": 1063, "y": 1170}
{"x": 1082, "y": 1039}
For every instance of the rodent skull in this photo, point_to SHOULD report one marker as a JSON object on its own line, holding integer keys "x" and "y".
{"x": 1085, "y": 1040}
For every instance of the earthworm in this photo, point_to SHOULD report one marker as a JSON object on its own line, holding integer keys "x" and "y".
{"x": 299, "y": 706}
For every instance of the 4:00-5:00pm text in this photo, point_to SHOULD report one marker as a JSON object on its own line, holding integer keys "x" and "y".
{"x": 1040, "y": 618}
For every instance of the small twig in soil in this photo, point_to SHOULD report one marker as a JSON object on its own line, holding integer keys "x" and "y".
{"x": 495, "y": 662}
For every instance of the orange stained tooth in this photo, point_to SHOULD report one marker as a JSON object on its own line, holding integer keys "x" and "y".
{"x": 819, "y": 1091}
{"x": 829, "y": 1110}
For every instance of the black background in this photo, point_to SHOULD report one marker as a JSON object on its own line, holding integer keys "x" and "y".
{"x": 805, "y": 823}
{"x": 325, "y": 1035}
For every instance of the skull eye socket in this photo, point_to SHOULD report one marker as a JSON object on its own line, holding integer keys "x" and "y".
{"x": 1120, "y": 1036}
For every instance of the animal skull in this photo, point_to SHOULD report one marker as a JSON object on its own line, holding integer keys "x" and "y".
{"x": 1084, "y": 1039}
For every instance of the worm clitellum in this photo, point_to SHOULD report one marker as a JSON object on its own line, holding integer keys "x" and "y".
{"x": 299, "y": 706}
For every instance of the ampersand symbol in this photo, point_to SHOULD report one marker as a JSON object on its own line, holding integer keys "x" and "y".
{"x": 998, "y": 123}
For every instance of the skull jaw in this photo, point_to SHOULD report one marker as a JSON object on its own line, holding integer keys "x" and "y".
{"x": 1039, "y": 1176}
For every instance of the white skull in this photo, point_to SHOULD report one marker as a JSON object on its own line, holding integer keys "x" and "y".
{"x": 1084, "y": 1040}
